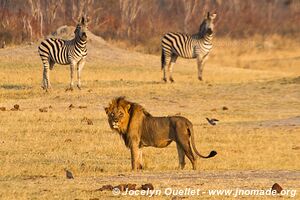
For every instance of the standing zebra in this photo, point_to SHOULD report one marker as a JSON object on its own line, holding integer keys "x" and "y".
{"x": 65, "y": 52}
{"x": 187, "y": 46}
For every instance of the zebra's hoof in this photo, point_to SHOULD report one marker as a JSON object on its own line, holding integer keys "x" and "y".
{"x": 69, "y": 89}
{"x": 47, "y": 89}
{"x": 79, "y": 87}
{"x": 164, "y": 79}
{"x": 200, "y": 78}
{"x": 171, "y": 80}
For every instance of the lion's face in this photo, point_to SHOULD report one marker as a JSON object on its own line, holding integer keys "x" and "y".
{"x": 118, "y": 115}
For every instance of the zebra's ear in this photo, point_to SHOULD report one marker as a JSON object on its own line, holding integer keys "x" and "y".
{"x": 88, "y": 20}
{"x": 213, "y": 16}
{"x": 208, "y": 15}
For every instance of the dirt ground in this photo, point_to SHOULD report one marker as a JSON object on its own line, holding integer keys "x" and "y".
{"x": 88, "y": 187}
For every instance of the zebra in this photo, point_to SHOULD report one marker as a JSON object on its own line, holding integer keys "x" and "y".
{"x": 187, "y": 46}
{"x": 65, "y": 52}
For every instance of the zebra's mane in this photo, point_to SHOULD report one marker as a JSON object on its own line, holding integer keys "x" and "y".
{"x": 202, "y": 29}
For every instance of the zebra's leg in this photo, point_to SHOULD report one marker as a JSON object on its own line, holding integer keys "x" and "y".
{"x": 166, "y": 58}
{"x": 165, "y": 70}
{"x": 164, "y": 74}
{"x": 79, "y": 69}
{"x": 46, "y": 62}
{"x": 170, "y": 69}
{"x": 51, "y": 62}
{"x": 171, "y": 66}
{"x": 72, "y": 67}
{"x": 46, "y": 77}
{"x": 200, "y": 63}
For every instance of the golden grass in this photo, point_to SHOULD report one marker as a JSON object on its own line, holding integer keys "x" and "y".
{"x": 257, "y": 85}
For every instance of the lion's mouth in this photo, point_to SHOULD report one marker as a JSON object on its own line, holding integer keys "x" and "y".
{"x": 115, "y": 125}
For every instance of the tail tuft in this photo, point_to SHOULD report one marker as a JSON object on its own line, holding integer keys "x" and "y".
{"x": 212, "y": 154}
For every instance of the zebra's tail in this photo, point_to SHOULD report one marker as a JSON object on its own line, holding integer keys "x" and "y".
{"x": 163, "y": 59}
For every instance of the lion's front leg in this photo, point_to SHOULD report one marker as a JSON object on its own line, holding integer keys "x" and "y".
{"x": 134, "y": 157}
{"x": 140, "y": 162}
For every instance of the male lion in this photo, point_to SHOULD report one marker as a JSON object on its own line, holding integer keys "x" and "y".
{"x": 139, "y": 128}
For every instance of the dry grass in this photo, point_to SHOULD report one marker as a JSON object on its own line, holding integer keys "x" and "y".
{"x": 257, "y": 85}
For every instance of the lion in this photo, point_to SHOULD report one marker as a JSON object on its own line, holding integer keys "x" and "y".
{"x": 138, "y": 129}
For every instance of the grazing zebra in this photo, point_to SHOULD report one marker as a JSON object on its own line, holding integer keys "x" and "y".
{"x": 187, "y": 46}
{"x": 65, "y": 52}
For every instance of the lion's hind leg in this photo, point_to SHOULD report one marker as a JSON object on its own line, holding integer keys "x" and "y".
{"x": 181, "y": 156}
{"x": 189, "y": 153}
{"x": 183, "y": 138}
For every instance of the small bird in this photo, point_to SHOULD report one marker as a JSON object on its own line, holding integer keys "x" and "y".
{"x": 69, "y": 174}
{"x": 212, "y": 121}
{"x": 71, "y": 106}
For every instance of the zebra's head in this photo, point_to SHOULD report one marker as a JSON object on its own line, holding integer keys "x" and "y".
{"x": 81, "y": 29}
{"x": 207, "y": 25}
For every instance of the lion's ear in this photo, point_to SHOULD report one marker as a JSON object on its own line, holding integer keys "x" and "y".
{"x": 128, "y": 106}
{"x": 106, "y": 109}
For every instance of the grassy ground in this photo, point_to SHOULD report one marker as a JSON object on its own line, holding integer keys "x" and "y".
{"x": 257, "y": 139}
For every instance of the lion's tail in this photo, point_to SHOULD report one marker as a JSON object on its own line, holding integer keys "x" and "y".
{"x": 211, "y": 154}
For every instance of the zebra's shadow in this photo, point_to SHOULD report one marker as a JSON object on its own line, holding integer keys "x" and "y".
{"x": 14, "y": 87}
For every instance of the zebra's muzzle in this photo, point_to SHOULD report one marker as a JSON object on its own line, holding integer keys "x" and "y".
{"x": 209, "y": 31}
{"x": 83, "y": 36}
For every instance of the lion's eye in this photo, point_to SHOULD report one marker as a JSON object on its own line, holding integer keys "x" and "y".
{"x": 121, "y": 114}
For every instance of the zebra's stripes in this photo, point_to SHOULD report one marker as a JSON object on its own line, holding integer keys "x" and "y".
{"x": 198, "y": 46}
{"x": 65, "y": 52}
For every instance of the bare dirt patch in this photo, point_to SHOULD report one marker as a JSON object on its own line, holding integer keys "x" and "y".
{"x": 293, "y": 121}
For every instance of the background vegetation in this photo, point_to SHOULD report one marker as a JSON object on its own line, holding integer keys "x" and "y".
{"x": 143, "y": 22}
